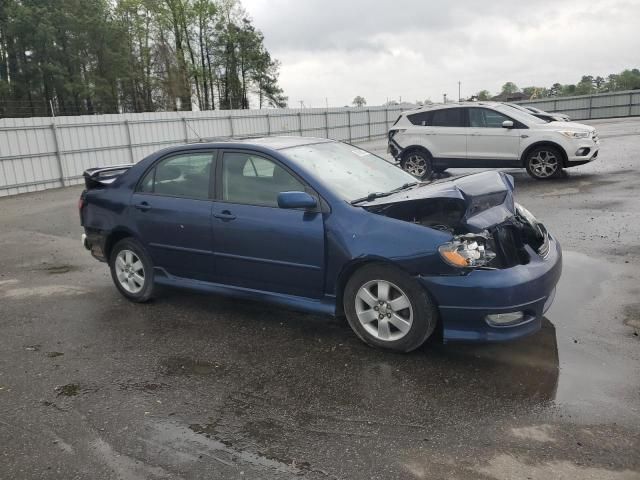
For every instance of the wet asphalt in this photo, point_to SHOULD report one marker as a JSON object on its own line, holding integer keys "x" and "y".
{"x": 203, "y": 387}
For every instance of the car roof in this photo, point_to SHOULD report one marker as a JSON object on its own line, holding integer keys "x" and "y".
{"x": 270, "y": 143}
{"x": 439, "y": 106}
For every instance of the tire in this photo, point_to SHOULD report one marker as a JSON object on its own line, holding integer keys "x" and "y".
{"x": 418, "y": 163}
{"x": 407, "y": 325}
{"x": 132, "y": 270}
{"x": 543, "y": 163}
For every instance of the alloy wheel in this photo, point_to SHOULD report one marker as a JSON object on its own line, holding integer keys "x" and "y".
{"x": 130, "y": 271}
{"x": 384, "y": 310}
{"x": 416, "y": 165}
{"x": 544, "y": 163}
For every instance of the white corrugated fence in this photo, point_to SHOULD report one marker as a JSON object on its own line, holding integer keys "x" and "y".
{"x": 41, "y": 153}
{"x": 585, "y": 107}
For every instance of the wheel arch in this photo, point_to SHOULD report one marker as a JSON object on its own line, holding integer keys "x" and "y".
{"x": 352, "y": 267}
{"x": 544, "y": 143}
{"x": 114, "y": 237}
{"x": 414, "y": 148}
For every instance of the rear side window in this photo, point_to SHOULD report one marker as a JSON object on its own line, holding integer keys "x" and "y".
{"x": 186, "y": 175}
{"x": 421, "y": 119}
{"x": 448, "y": 117}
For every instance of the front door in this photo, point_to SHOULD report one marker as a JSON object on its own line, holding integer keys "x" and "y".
{"x": 258, "y": 245}
{"x": 172, "y": 212}
{"x": 488, "y": 140}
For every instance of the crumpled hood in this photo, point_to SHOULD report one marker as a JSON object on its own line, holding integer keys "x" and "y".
{"x": 487, "y": 196}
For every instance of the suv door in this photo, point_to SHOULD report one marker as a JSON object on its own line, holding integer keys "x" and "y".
{"x": 171, "y": 208}
{"x": 257, "y": 244}
{"x": 489, "y": 143}
{"x": 449, "y": 136}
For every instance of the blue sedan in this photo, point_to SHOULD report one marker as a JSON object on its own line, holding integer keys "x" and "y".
{"x": 325, "y": 227}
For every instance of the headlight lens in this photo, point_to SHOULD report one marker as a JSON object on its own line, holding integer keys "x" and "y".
{"x": 576, "y": 134}
{"x": 466, "y": 251}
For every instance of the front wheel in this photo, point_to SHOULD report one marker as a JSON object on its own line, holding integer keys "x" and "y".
{"x": 387, "y": 308}
{"x": 418, "y": 164}
{"x": 543, "y": 163}
{"x": 131, "y": 270}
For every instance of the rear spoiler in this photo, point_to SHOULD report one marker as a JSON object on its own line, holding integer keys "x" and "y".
{"x": 102, "y": 176}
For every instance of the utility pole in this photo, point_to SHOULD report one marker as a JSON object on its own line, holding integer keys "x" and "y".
{"x": 459, "y": 97}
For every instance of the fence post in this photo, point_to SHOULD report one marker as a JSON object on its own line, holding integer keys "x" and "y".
{"x": 231, "y": 125}
{"x": 326, "y": 122}
{"x": 555, "y": 105}
{"x": 186, "y": 129}
{"x": 128, "y": 127}
{"x": 630, "y": 103}
{"x": 369, "y": 123}
{"x": 349, "y": 120}
{"x": 300, "y": 122}
{"x": 268, "y": 125}
{"x": 56, "y": 143}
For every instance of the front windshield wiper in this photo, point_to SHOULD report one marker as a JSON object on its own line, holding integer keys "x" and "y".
{"x": 372, "y": 196}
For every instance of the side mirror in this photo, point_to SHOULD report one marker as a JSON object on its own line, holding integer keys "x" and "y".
{"x": 296, "y": 200}
{"x": 507, "y": 124}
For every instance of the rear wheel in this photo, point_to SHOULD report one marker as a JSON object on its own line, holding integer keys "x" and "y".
{"x": 386, "y": 308}
{"x": 544, "y": 162}
{"x": 418, "y": 163}
{"x": 131, "y": 270}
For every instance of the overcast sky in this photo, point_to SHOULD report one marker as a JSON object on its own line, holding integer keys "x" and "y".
{"x": 419, "y": 49}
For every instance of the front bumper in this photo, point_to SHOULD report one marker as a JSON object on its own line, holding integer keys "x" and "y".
{"x": 583, "y": 151}
{"x": 465, "y": 301}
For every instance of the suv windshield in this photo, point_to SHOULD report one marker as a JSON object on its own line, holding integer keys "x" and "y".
{"x": 349, "y": 171}
{"x": 517, "y": 111}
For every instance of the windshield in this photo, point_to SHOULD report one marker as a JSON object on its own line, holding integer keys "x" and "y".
{"x": 349, "y": 171}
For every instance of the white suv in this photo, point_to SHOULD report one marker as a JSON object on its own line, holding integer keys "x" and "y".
{"x": 485, "y": 134}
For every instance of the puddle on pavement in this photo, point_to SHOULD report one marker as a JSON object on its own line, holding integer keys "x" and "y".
{"x": 598, "y": 381}
{"x": 69, "y": 390}
{"x": 188, "y": 366}
{"x": 58, "y": 269}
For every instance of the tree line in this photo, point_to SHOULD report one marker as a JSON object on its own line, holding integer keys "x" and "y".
{"x": 74, "y": 57}
{"x": 626, "y": 80}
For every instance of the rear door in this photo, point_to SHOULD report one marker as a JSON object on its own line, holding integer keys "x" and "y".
{"x": 172, "y": 212}
{"x": 258, "y": 245}
{"x": 449, "y": 135}
{"x": 489, "y": 143}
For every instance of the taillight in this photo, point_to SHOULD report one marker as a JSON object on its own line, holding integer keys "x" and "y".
{"x": 393, "y": 132}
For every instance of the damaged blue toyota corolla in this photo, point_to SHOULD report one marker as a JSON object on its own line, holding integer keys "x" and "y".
{"x": 326, "y": 227}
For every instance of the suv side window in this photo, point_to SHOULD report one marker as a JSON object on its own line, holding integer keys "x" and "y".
{"x": 448, "y": 117}
{"x": 184, "y": 175}
{"x": 421, "y": 119}
{"x": 486, "y": 118}
{"x": 253, "y": 180}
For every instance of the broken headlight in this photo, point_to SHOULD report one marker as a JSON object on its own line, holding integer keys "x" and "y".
{"x": 467, "y": 251}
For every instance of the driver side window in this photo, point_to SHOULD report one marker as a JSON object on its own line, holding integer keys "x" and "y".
{"x": 255, "y": 180}
{"x": 485, "y": 118}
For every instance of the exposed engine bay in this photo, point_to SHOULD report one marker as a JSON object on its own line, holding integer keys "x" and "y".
{"x": 489, "y": 229}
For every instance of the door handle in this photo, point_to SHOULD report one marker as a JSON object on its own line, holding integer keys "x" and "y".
{"x": 225, "y": 215}
{"x": 142, "y": 206}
